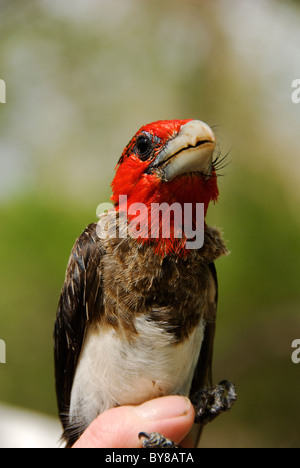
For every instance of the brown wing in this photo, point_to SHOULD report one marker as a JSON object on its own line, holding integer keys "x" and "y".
{"x": 203, "y": 372}
{"x": 80, "y": 301}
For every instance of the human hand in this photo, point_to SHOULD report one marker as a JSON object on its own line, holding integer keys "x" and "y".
{"x": 172, "y": 416}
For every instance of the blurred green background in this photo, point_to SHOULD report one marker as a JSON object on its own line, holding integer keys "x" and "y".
{"x": 81, "y": 78}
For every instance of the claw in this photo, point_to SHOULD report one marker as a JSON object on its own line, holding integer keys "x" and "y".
{"x": 209, "y": 402}
{"x": 156, "y": 440}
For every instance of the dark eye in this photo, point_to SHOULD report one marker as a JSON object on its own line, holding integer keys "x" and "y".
{"x": 144, "y": 146}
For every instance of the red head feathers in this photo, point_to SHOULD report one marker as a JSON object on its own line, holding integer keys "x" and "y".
{"x": 167, "y": 162}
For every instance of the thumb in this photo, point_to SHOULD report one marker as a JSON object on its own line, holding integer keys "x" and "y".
{"x": 172, "y": 416}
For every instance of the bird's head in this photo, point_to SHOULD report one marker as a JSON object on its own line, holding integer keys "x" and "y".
{"x": 167, "y": 162}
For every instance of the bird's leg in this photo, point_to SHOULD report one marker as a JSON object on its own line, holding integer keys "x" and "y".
{"x": 209, "y": 402}
{"x": 156, "y": 440}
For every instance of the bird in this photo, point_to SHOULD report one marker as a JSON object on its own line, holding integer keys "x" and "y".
{"x": 137, "y": 312}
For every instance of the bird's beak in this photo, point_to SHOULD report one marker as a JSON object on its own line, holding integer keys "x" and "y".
{"x": 190, "y": 151}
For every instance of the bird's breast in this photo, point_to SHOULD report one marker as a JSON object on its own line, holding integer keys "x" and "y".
{"x": 144, "y": 339}
{"x": 169, "y": 291}
{"x": 116, "y": 371}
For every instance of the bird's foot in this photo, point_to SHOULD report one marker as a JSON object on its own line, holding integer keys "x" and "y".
{"x": 154, "y": 440}
{"x": 209, "y": 402}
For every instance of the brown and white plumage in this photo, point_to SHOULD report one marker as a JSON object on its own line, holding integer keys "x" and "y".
{"x": 100, "y": 293}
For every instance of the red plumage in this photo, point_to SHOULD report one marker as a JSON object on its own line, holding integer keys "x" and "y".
{"x": 142, "y": 187}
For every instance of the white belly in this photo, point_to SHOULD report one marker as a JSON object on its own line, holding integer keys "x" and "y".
{"x": 114, "y": 372}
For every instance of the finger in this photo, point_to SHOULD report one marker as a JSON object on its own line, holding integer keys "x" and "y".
{"x": 172, "y": 416}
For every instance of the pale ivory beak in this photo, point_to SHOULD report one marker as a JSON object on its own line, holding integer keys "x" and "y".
{"x": 190, "y": 151}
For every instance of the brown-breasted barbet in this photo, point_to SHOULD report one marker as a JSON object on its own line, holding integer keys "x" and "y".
{"x": 137, "y": 312}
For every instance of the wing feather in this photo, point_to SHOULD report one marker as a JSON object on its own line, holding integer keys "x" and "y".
{"x": 80, "y": 302}
{"x": 203, "y": 372}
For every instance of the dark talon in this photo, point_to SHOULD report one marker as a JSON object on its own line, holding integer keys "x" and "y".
{"x": 209, "y": 402}
{"x": 156, "y": 440}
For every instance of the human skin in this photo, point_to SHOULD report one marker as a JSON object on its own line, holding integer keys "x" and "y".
{"x": 172, "y": 416}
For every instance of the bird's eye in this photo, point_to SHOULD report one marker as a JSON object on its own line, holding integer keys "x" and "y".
{"x": 144, "y": 147}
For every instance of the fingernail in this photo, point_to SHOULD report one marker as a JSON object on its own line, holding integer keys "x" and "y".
{"x": 164, "y": 408}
